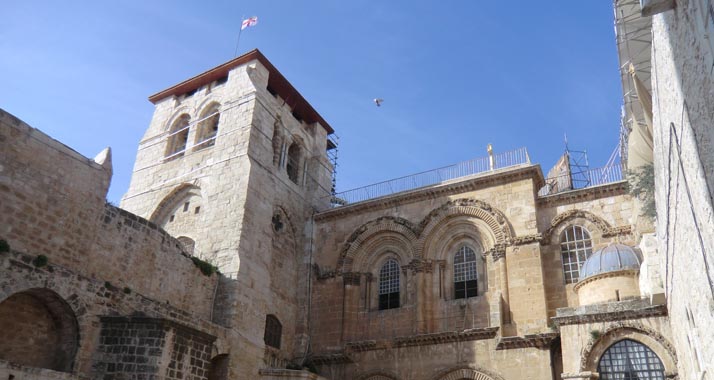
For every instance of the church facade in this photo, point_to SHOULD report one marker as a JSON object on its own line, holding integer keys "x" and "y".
{"x": 231, "y": 257}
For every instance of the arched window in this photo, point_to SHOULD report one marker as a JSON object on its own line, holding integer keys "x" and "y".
{"x": 465, "y": 277}
{"x": 178, "y": 136}
{"x": 628, "y": 359}
{"x": 293, "y": 164}
{"x": 575, "y": 247}
{"x": 273, "y": 331}
{"x": 208, "y": 128}
{"x": 389, "y": 285}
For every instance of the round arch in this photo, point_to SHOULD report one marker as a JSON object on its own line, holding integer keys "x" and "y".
{"x": 377, "y": 376}
{"x": 596, "y": 225}
{"x": 493, "y": 223}
{"x": 171, "y": 200}
{"x": 652, "y": 339}
{"x": 40, "y": 329}
{"x": 468, "y": 373}
{"x": 359, "y": 249}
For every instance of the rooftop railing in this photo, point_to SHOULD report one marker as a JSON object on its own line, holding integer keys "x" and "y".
{"x": 432, "y": 177}
{"x": 581, "y": 180}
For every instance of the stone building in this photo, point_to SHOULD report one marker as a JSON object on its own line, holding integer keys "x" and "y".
{"x": 482, "y": 270}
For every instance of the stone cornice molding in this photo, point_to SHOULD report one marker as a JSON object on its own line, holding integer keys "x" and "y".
{"x": 446, "y": 337}
{"x": 617, "y": 231}
{"x": 540, "y": 341}
{"x": 618, "y": 312}
{"x": 424, "y": 339}
{"x": 615, "y": 273}
{"x": 498, "y": 252}
{"x": 291, "y": 374}
{"x": 339, "y": 357}
{"x": 525, "y": 239}
{"x": 377, "y": 375}
{"x": 445, "y": 189}
{"x": 595, "y": 192}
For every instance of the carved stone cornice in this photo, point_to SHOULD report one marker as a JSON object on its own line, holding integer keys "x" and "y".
{"x": 617, "y": 231}
{"x": 338, "y": 357}
{"x": 525, "y": 239}
{"x": 351, "y": 278}
{"x": 579, "y": 195}
{"x": 457, "y": 186}
{"x": 424, "y": 339}
{"x": 540, "y": 341}
{"x": 446, "y": 337}
{"x": 419, "y": 266}
{"x": 607, "y": 312}
{"x": 363, "y": 345}
{"x": 498, "y": 252}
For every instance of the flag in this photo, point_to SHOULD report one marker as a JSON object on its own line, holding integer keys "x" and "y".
{"x": 249, "y": 22}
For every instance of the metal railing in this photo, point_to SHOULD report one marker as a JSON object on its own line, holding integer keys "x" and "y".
{"x": 587, "y": 178}
{"x": 432, "y": 177}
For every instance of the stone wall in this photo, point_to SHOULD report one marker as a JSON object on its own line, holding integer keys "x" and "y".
{"x": 683, "y": 107}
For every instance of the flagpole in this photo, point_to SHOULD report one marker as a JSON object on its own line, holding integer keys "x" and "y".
{"x": 239, "y": 33}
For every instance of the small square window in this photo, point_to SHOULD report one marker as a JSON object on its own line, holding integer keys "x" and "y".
{"x": 171, "y": 218}
{"x": 197, "y": 210}
{"x": 185, "y": 206}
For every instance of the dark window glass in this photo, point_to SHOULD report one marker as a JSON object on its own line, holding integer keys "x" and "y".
{"x": 465, "y": 277}
{"x": 389, "y": 285}
{"x": 273, "y": 331}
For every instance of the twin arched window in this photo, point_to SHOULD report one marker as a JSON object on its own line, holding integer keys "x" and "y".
{"x": 465, "y": 277}
{"x": 575, "y": 247}
{"x": 389, "y": 285}
{"x": 205, "y": 135}
{"x": 628, "y": 359}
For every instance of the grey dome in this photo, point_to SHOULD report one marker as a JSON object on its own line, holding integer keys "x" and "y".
{"x": 612, "y": 258}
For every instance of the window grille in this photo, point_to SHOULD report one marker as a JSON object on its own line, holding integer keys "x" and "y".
{"x": 630, "y": 360}
{"x": 178, "y": 137}
{"x": 575, "y": 247}
{"x": 293, "y": 162}
{"x": 389, "y": 285}
{"x": 465, "y": 277}
{"x": 273, "y": 331}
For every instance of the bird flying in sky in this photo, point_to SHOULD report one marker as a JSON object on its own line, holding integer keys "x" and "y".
{"x": 378, "y": 101}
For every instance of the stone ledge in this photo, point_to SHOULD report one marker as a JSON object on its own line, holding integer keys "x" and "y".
{"x": 9, "y": 370}
{"x": 338, "y": 357}
{"x": 288, "y": 373}
{"x": 424, "y": 339}
{"x": 595, "y": 192}
{"x": 611, "y": 311}
{"x": 539, "y": 341}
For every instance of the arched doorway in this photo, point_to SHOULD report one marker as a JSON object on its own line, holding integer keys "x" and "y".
{"x": 219, "y": 368}
{"x": 628, "y": 359}
{"x": 39, "y": 330}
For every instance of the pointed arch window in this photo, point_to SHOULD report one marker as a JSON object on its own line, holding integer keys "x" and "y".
{"x": 628, "y": 359}
{"x": 575, "y": 247}
{"x": 178, "y": 137}
{"x": 273, "y": 331}
{"x": 389, "y": 285}
{"x": 465, "y": 275}
{"x": 208, "y": 128}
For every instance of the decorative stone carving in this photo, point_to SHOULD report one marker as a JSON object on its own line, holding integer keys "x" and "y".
{"x": 540, "y": 341}
{"x": 600, "y": 223}
{"x": 467, "y": 372}
{"x": 526, "y": 239}
{"x": 387, "y": 223}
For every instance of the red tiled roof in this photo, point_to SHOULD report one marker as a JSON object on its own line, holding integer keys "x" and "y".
{"x": 276, "y": 82}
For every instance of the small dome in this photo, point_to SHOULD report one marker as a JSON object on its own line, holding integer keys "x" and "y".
{"x": 612, "y": 258}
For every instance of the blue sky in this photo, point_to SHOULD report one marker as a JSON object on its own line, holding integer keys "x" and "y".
{"x": 455, "y": 75}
